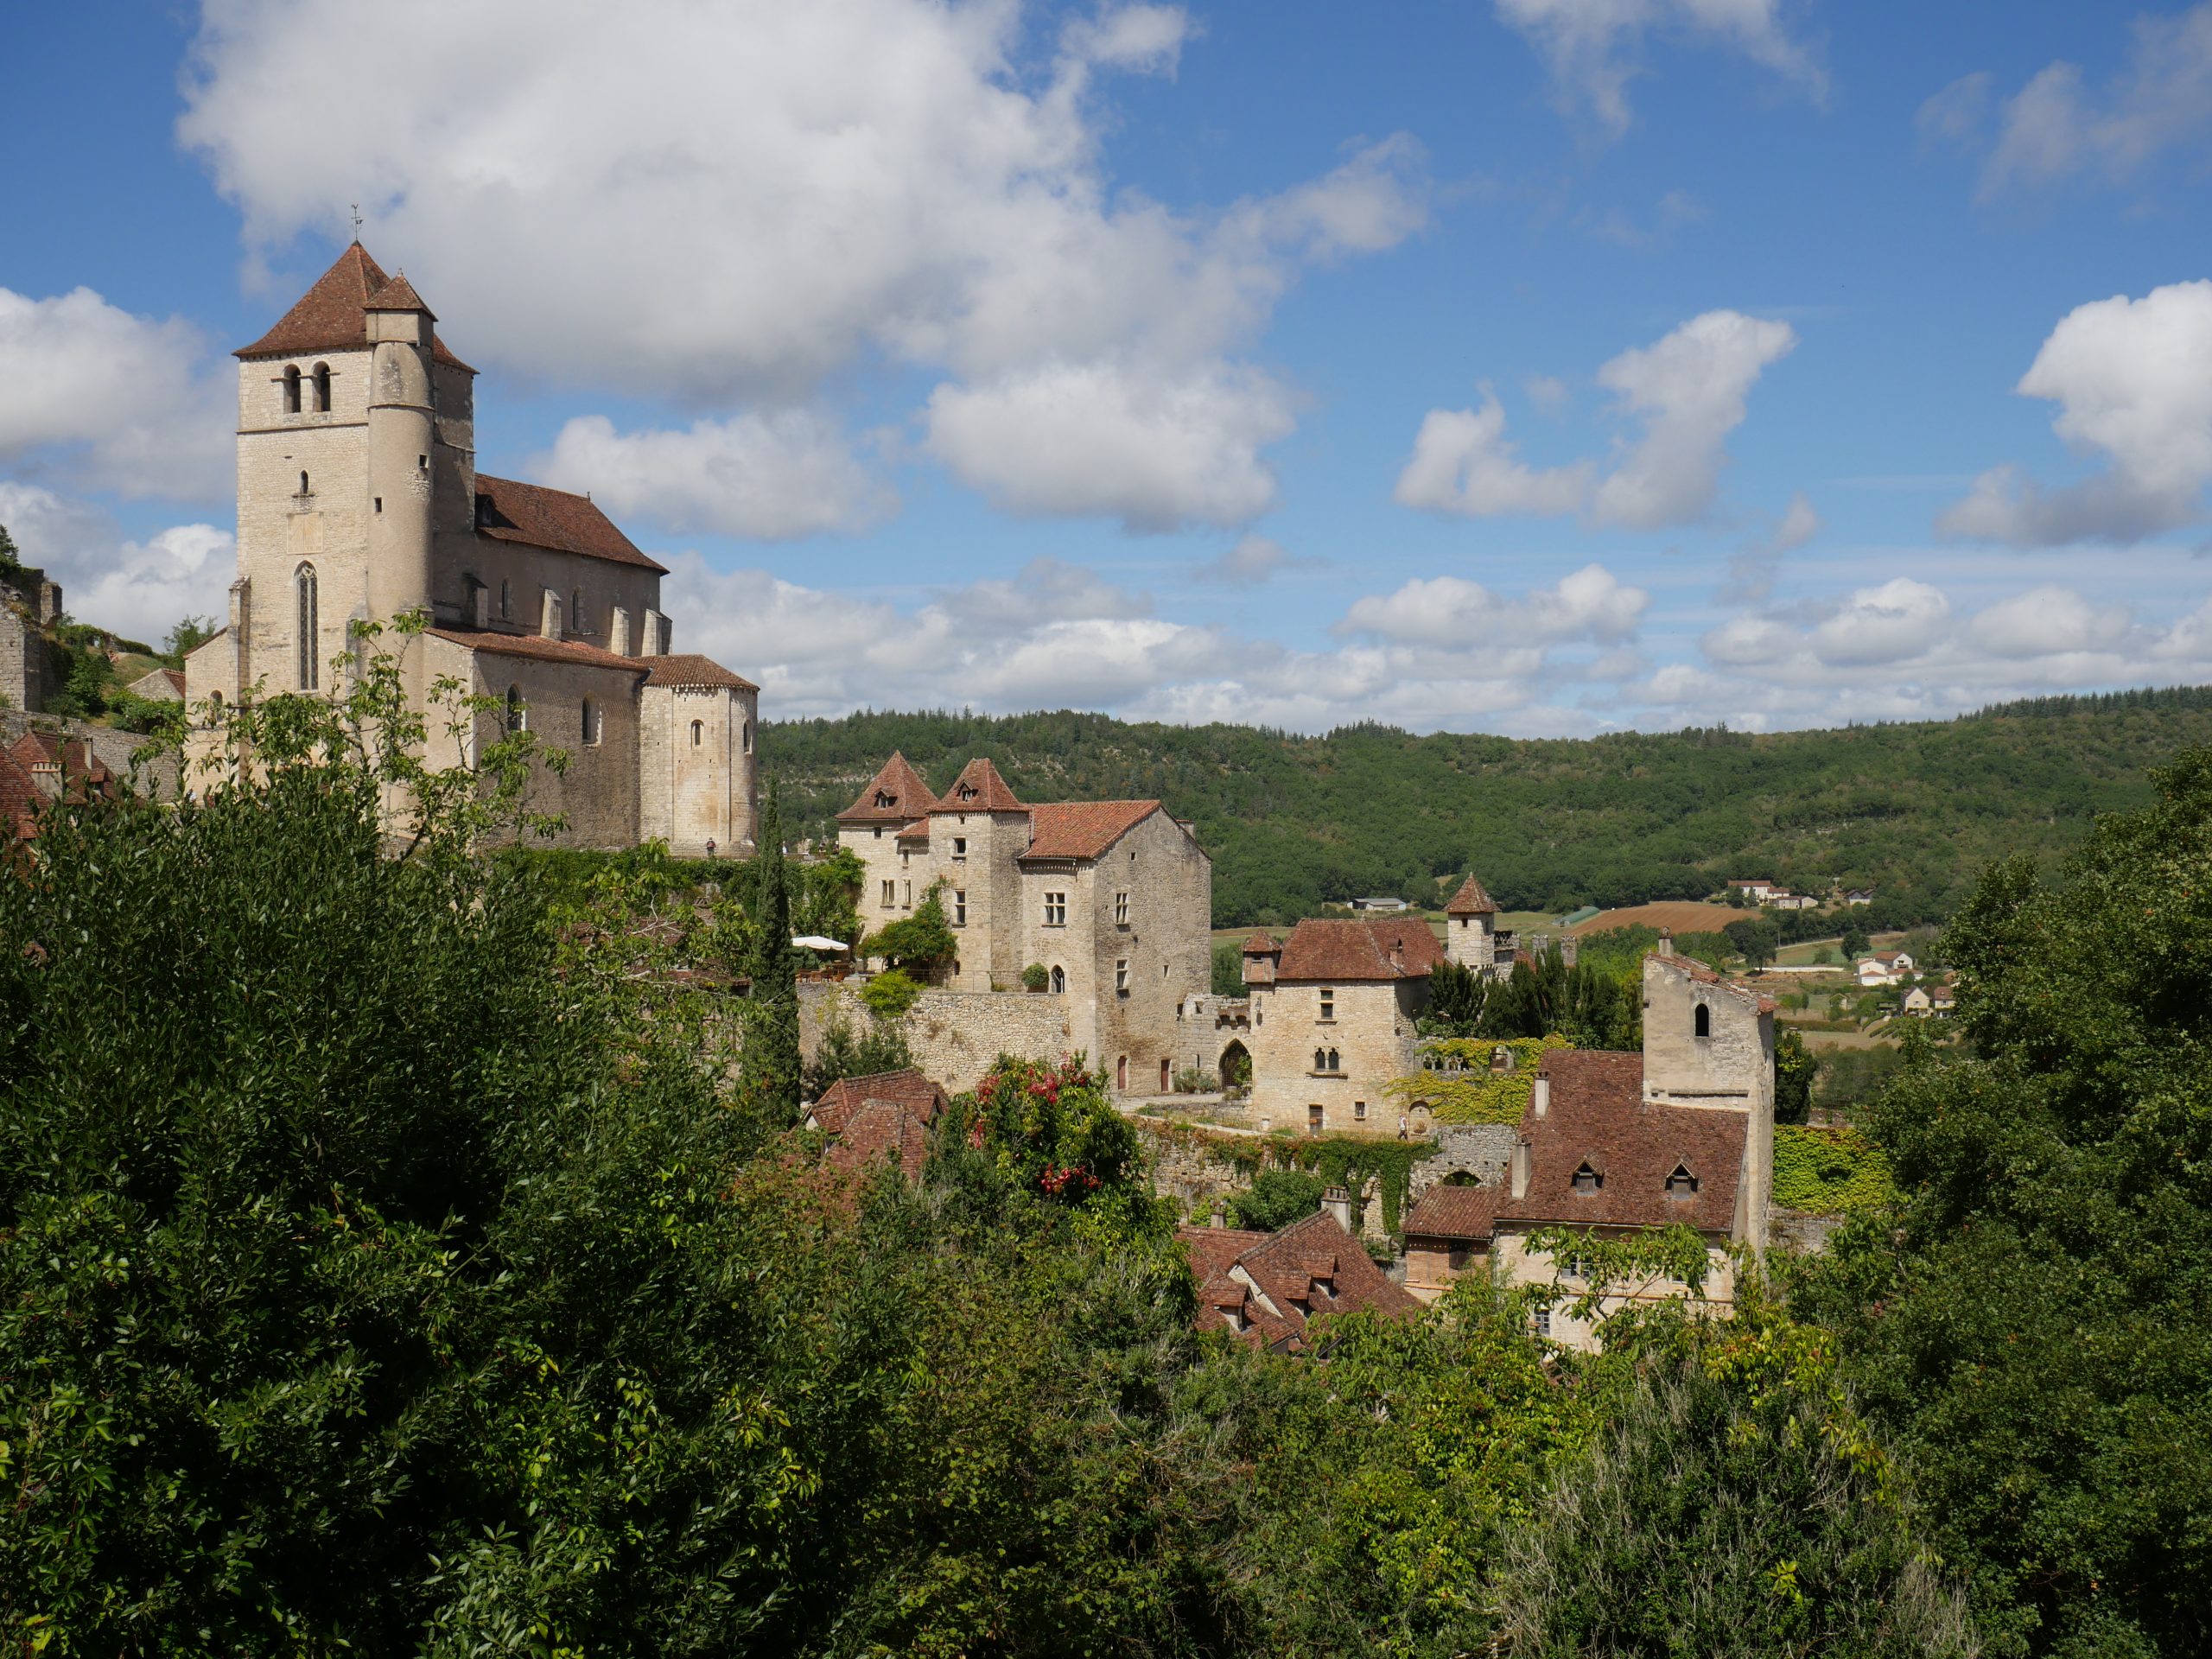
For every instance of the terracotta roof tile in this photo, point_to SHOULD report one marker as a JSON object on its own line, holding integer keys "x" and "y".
{"x": 882, "y": 1127}
{"x": 895, "y": 795}
{"x": 1453, "y": 1212}
{"x": 1356, "y": 950}
{"x": 1597, "y": 1116}
{"x": 689, "y": 669}
{"x": 1261, "y": 944}
{"x": 1083, "y": 829}
{"x": 1311, "y": 1268}
{"x": 843, "y": 1099}
{"x": 1751, "y": 996}
{"x": 539, "y": 647}
{"x": 1215, "y": 1250}
{"x": 509, "y": 510}
{"x": 20, "y": 800}
{"x": 1472, "y": 899}
{"x": 398, "y": 295}
{"x": 333, "y": 315}
{"x": 979, "y": 789}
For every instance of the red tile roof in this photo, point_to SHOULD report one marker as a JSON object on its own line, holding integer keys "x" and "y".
{"x": 539, "y": 647}
{"x": 689, "y": 669}
{"x": 398, "y": 295}
{"x": 1472, "y": 899}
{"x": 509, "y": 510}
{"x": 63, "y": 767}
{"x": 842, "y": 1100}
{"x": 333, "y": 315}
{"x": 1597, "y": 1116}
{"x": 1750, "y": 996}
{"x": 895, "y": 795}
{"x": 1453, "y": 1212}
{"x": 882, "y": 1127}
{"x": 1356, "y": 950}
{"x": 1083, "y": 829}
{"x": 1260, "y": 945}
{"x": 20, "y": 800}
{"x": 979, "y": 789}
{"x": 1311, "y": 1268}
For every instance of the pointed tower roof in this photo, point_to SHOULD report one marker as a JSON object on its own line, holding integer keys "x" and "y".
{"x": 1472, "y": 899}
{"x": 398, "y": 295}
{"x": 980, "y": 789}
{"x": 895, "y": 795}
{"x": 333, "y": 315}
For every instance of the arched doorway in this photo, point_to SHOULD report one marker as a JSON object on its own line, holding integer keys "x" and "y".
{"x": 1236, "y": 1065}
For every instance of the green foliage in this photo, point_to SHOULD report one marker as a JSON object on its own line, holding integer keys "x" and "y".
{"x": 1795, "y": 1067}
{"x": 1228, "y": 968}
{"x": 1457, "y": 1085}
{"x": 841, "y": 1054}
{"x": 1829, "y": 1172}
{"x": 1354, "y": 1162}
{"x": 920, "y": 941}
{"x": 1855, "y": 942}
{"x": 1594, "y": 1004}
{"x": 1277, "y": 1198}
{"x": 890, "y": 994}
{"x": 2033, "y": 1320}
{"x": 1051, "y": 1130}
{"x": 770, "y": 1060}
{"x": 189, "y": 635}
{"x": 1733, "y": 1506}
{"x": 1756, "y": 938}
{"x": 1035, "y": 978}
{"x": 1295, "y": 822}
{"x": 12, "y": 563}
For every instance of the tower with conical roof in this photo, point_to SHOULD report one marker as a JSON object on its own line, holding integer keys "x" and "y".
{"x": 1470, "y": 927}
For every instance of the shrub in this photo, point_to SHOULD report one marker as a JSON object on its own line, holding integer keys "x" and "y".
{"x": 1195, "y": 1080}
{"x": 1034, "y": 977}
{"x": 1276, "y": 1198}
{"x": 888, "y": 995}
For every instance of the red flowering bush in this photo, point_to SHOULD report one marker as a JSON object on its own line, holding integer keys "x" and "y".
{"x": 1052, "y": 1128}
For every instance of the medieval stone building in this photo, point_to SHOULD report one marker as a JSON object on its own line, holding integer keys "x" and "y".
{"x": 1333, "y": 1013}
{"x": 359, "y": 500}
{"x": 1110, "y": 901}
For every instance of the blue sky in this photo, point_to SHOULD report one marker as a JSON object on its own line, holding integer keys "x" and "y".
{"x": 1530, "y": 365}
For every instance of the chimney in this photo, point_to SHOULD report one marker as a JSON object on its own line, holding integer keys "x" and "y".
{"x": 618, "y": 633}
{"x": 1520, "y": 1169}
{"x": 1666, "y": 941}
{"x": 1220, "y": 1217}
{"x": 1540, "y": 1097}
{"x": 1336, "y": 1203}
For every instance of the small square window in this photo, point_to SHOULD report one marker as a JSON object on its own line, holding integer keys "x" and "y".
{"x": 1359, "y": 1110}
{"x": 959, "y": 908}
{"x": 1056, "y": 910}
{"x": 1120, "y": 910}
{"x": 1121, "y": 977}
{"x": 960, "y": 846}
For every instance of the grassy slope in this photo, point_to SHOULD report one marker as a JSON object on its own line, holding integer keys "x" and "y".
{"x": 1293, "y": 822}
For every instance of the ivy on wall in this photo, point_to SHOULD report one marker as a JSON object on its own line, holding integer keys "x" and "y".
{"x": 1349, "y": 1161}
{"x": 1475, "y": 1093}
{"x": 1828, "y": 1172}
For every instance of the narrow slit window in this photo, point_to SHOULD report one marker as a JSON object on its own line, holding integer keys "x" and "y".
{"x": 518, "y": 710}
{"x": 698, "y": 732}
{"x": 590, "y": 720}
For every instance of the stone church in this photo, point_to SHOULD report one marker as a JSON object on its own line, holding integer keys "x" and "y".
{"x": 358, "y": 499}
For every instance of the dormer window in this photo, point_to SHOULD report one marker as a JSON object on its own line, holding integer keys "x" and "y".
{"x": 1681, "y": 1184}
{"x": 292, "y": 389}
{"x": 884, "y": 798}
{"x": 1587, "y": 1179}
{"x": 1701, "y": 1022}
{"x": 966, "y": 792}
{"x": 322, "y": 388}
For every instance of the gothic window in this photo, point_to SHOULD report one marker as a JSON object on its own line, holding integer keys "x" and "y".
{"x": 304, "y": 490}
{"x": 698, "y": 732}
{"x": 1587, "y": 1179}
{"x": 1060, "y": 981}
{"x": 322, "y": 388}
{"x": 1320, "y": 1059}
{"x": 577, "y": 612}
{"x": 1702, "y": 1021}
{"x": 310, "y": 652}
{"x": 590, "y": 720}
{"x": 1334, "y": 1064}
{"x": 1681, "y": 1182}
{"x": 506, "y": 602}
{"x": 292, "y": 389}
{"x": 517, "y": 711}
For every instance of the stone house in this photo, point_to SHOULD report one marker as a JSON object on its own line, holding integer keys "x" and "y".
{"x": 1682, "y": 1132}
{"x": 1111, "y": 900}
{"x": 359, "y": 500}
{"x": 159, "y": 685}
{"x": 29, "y": 604}
{"x": 1264, "y": 1288}
{"x": 1333, "y": 1013}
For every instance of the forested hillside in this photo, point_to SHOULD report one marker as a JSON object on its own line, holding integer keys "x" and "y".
{"x": 1913, "y": 809}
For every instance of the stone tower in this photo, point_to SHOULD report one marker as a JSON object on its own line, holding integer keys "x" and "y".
{"x": 1469, "y": 926}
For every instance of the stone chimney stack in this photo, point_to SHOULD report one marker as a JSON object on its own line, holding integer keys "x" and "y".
{"x": 1540, "y": 1097}
{"x": 1520, "y": 1169}
{"x": 1336, "y": 1203}
{"x": 1666, "y": 941}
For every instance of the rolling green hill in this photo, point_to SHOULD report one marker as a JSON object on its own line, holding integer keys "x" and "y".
{"x": 1292, "y": 822}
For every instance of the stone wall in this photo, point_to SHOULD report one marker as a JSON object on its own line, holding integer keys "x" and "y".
{"x": 1196, "y": 1170}
{"x": 1370, "y": 1029}
{"x": 1483, "y": 1152}
{"x": 23, "y": 663}
{"x": 953, "y": 1035}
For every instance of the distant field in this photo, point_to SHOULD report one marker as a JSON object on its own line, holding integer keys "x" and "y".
{"x": 1683, "y": 916}
{"x": 1521, "y": 921}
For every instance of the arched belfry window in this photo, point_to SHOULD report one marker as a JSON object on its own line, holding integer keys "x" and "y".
{"x": 1320, "y": 1059}
{"x": 1060, "y": 981}
{"x": 518, "y": 710}
{"x": 303, "y": 584}
{"x": 1701, "y": 1022}
{"x": 292, "y": 389}
{"x": 1334, "y": 1064}
{"x": 698, "y": 732}
{"x": 322, "y": 388}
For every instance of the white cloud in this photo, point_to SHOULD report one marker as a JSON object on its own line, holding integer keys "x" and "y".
{"x": 1253, "y": 561}
{"x": 1900, "y": 618}
{"x": 117, "y": 401}
{"x": 1095, "y": 439}
{"x": 766, "y": 196}
{"x": 1549, "y": 393}
{"x": 1462, "y": 463}
{"x": 1449, "y": 611}
{"x": 140, "y": 589}
{"x": 2048, "y": 622}
{"x": 1690, "y": 389}
{"x": 1593, "y": 47}
{"x": 1956, "y": 115}
{"x": 772, "y": 477}
{"x": 1800, "y": 524}
{"x": 2134, "y": 382}
{"x": 2056, "y": 126}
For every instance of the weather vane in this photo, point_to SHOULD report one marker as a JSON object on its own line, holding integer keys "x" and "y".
{"x": 356, "y": 221}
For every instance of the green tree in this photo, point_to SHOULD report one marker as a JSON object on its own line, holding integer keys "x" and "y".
{"x": 919, "y": 942}
{"x": 1855, "y": 943}
{"x": 841, "y": 1054}
{"x": 2034, "y": 1322}
{"x": 771, "y": 1055}
{"x": 187, "y": 636}
{"x": 1277, "y": 1198}
{"x": 1795, "y": 1070}
{"x": 1755, "y": 938}
{"x": 12, "y": 563}
{"x": 1229, "y": 969}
